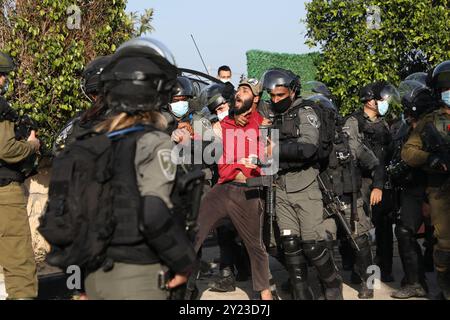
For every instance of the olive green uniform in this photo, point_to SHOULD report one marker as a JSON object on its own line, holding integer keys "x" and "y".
{"x": 16, "y": 252}
{"x": 414, "y": 155}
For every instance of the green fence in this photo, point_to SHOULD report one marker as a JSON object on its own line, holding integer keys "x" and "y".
{"x": 303, "y": 65}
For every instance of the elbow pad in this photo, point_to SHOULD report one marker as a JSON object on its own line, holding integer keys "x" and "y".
{"x": 293, "y": 151}
{"x": 165, "y": 235}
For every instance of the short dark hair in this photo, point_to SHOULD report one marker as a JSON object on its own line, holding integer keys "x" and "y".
{"x": 223, "y": 68}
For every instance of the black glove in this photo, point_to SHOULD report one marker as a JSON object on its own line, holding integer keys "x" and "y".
{"x": 436, "y": 162}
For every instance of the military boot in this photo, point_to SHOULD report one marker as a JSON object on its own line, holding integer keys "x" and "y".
{"x": 413, "y": 265}
{"x": 363, "y": 259}
{"x": 320, "y": 256}
{"x": 442, "y": 265}
{"x": 226, "y": 282}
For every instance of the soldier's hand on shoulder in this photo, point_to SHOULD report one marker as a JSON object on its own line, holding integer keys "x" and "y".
{"x": 33, "y": 140}
{"x": 241, "y": 119}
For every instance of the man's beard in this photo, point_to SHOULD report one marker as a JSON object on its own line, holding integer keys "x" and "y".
{"x": 246, "y": 105}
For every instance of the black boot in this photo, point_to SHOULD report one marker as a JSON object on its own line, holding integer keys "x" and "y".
{"x": 226, "y": 282}
{"x": 442, "y": 265}
{"x": 320, "y": 257}
{"x": 413, "y": 265}
{"x": 347, "y": 255}
{"x": 297, "y": 268}
{"x": 363, "y": 259}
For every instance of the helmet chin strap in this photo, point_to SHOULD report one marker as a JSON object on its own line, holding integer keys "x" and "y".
{"x": 84, "y": 92}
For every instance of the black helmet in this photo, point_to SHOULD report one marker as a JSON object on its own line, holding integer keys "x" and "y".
{"x": 216, "y": 94}
{"x": 419, "y": 77}
{"x": 380, "y": 90}
{"x": 277, "y": 77}
{"x": 6, "y": 63}
{"x": 140, "y": 77}
{"x": 91, "y": 74}
{"x": 440, "y": 77}
{"x": 323, "y": 101}
{"x": 320, "y": 88}
{"x": 416, "y": 98}
{"x": 184, "y": 87}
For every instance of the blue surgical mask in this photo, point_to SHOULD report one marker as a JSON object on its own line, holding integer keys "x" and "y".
{"x": 445, "y": 97}
{"x": 180, "y": 108}
{"x": 383, "y": 107}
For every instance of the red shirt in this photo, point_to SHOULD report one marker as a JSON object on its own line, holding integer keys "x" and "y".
{"x": 240, "y": 142}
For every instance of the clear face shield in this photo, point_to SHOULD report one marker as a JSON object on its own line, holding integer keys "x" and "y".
{"x": 389, "y": 97}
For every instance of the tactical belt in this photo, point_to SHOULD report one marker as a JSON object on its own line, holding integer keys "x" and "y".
{"x": 5, "y": 182}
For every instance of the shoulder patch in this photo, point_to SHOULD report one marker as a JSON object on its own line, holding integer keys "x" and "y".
{"x": 312, "y": 119}
{"x": 168, "y": 168}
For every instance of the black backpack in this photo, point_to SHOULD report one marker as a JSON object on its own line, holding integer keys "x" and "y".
{"x": 327, "y": 132}
{"x": 327, "y": 129}
{"x": 79, "y": 220}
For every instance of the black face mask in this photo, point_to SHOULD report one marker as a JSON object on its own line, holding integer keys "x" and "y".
{"x": 246, "y": 105}
{"x": 282, "y": 105}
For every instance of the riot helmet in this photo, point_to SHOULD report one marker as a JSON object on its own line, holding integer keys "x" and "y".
{"x": 382, "y": 92}
{"x": 140, "y": 77}
{"x": 323, "y": 101}
{"x": 91, "y": 75}
{"x": 6, "y": 66}
{"x": 277, "y": 77}
{"x": 319, "y": 88}
{"x": 416, "y": 98}
{"x": 440, "y": 78}
{"x": 419, "y": 77}
{"x": 440, "y": 82}
{"x": 6, "y": 63}
{"x": 213, "y": 96}
{"x": 184, "y": 87}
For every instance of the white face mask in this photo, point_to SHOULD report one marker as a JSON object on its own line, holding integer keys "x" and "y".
{"x": 225, "y": 80}
{"x": 222, "y": 115}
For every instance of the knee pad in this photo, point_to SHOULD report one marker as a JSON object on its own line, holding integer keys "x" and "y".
{"x": 292, "y": 250}
{"x": 315, "y": 250}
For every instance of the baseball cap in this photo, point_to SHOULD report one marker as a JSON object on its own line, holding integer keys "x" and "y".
{"x": 254, "y": 85}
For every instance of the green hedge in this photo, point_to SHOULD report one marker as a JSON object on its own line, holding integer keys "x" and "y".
{"x": 303, "y": 65}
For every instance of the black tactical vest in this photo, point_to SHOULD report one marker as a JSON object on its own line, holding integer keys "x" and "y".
{"x": 342, "y": 175}
{"x": 128, "y": 244}
{"x": 376, "y": 134}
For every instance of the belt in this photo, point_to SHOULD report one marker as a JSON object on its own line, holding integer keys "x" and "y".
{"x": 4, "y": 183}
{"x": 238, "y": 184}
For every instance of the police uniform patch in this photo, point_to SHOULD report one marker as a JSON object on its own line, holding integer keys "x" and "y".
{"x": 168, "y": 168}
{"x": 313, "y": 120}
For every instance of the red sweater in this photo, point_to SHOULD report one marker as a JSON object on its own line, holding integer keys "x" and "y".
{"x": 239, "y": 142}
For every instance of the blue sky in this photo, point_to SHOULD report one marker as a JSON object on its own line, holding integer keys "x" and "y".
{"x": 225, "y": 30}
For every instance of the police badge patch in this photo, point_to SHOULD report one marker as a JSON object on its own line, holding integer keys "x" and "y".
{"x": 168, "y": 168}
{"x": 313, "y": 120}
